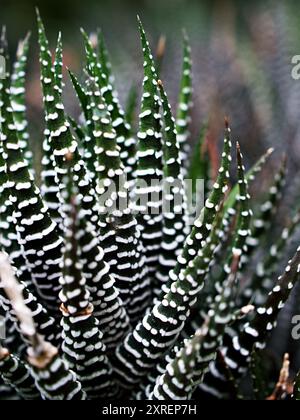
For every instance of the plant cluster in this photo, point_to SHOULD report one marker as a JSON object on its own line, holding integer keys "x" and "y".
{"x": 105, "y": 294}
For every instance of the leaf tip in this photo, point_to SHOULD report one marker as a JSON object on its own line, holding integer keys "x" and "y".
{"x": 69, "y": 157}
{"x": 226, "y": 121}
{"x": 37, "y": 12}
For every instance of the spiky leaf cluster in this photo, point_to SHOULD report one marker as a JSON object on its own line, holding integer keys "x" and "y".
{"x": 111, "y": 289}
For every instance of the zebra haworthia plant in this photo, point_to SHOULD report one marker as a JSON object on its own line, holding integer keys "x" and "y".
{"x": 107, "y": 291}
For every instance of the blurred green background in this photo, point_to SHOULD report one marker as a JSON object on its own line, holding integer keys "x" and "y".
{"x": 241, "y": 51}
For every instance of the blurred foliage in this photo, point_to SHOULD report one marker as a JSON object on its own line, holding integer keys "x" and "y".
{"x": 241, "y": 51}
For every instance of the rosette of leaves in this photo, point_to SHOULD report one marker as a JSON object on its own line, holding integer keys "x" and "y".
{"x": 124, "y": 301}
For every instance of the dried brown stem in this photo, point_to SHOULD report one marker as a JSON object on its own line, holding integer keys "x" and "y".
{"x": 281, "y": 388}
{"x": 13, "y": 291}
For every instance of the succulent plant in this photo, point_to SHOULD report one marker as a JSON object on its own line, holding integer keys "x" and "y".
{"x": 108, "y": 291}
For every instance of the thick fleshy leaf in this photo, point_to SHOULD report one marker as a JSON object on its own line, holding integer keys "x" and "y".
{"x": 170, "y": 313}
{"x": 254, "y": 333}
{"x": 185, "y": 101}
{"x": 89, "y": 362}
{"x": 149, "y": 173}
{"x": 174, "y": 200}
{"x": 18, "y": 375}
{"x": 18, "y": 82}
{"x": 37, "y": 233}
